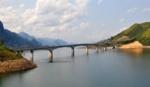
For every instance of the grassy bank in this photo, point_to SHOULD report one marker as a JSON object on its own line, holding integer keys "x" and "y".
{"x": 12, "y": 62}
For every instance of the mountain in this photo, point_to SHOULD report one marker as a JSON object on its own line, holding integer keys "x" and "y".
{"x": 1, "y": 32}
{"x": 51, "y": 42}
{"x": 13, "y": 40}
{"x": 26, "y": 36}
{"x": 29, "y": 38}
{"x": 43, "y": 41}
{"x": 138, "y": 32}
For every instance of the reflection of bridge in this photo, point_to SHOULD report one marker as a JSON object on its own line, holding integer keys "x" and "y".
{"x": 52, "y": 48}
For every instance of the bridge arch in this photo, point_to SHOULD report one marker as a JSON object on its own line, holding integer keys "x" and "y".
{"x": 71, "y": 48}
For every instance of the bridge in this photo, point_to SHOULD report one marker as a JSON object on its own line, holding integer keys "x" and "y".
{"x": 52, "y": 48}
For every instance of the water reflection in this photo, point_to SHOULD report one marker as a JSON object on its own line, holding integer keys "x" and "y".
{"x": 133, "y": 52}
{"x": 111, "y": 68}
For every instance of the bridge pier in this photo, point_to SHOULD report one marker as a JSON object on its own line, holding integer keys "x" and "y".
{"x": 73, "y": 51}
{"x": 105, "y": 48}
{"x": 87, "y": 50}
{"x": 32, "y": 56}
{"x": 51, "y": 56}
{"x": 114, "y": 47}
{"x": 100, "y": 48}
{"x": 97, "y": 49}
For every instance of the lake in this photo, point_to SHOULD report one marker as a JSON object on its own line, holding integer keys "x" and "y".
{"x": 111, "y": 68}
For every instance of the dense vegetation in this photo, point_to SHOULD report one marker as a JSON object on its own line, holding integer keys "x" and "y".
{"x": 7, "y": 54}
{"x": 139, "y": 32}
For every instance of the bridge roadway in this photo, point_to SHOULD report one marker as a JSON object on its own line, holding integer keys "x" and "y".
{"x": 52, "y": 48}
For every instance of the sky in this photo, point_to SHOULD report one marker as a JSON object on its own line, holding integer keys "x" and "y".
{"x": 73, "y": 20}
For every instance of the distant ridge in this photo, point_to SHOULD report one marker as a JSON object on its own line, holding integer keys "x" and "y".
{"x": 13, "y": 40}
{"x": 21, "y": 40}
{"x": 43, "y": 41}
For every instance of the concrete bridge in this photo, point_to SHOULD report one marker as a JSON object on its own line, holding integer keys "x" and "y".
{"x": 52, "y": 48}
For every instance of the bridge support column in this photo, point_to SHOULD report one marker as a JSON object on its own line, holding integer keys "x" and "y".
{"x": 104, "y": 48}
{"x": 51, "y": 56}
{"x": 32, "y": 55}
{"x": 87, "y": 50}
{"x": 113, "y": 47}
{"x": 73, "y": 51}
{"x": 97, "y": 49}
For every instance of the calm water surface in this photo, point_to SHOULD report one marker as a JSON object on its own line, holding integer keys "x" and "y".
{"x": 113, "y": 68}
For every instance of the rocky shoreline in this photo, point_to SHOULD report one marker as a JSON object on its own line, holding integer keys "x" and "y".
{"x": 133, "y": 45}
{"x": 16, "y": 66}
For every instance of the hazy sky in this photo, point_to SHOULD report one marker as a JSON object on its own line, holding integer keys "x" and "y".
{"x": 73, "y": 20}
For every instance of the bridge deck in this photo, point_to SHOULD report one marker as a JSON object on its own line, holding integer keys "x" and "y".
{"x": 53, "y": 47}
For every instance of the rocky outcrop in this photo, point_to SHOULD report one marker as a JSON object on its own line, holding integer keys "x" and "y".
{"x": 132, "y": 45}
{"x": 15, "y": 66}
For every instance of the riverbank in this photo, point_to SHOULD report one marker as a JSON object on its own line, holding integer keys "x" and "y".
{"x": 16, "y": 65}
{"x": 133, "y": 45}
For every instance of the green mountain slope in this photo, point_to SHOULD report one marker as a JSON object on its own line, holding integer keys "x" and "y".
{"x": 12, "y": 62}
{"x": 139, "y": 32}
{"x": 7, "y": 54}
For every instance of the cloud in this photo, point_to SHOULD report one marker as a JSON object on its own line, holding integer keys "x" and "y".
{"x": 146, "y": 10}
{"x": 10, "y": 17}
{"x": 3, "y": 3}
{"x": 21, "y": 5}
{"x": 132, "y": 10}
{"x": 122, "y": 20}
{"x": 48, "y": 18}
{"x": 99, "y": 2}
